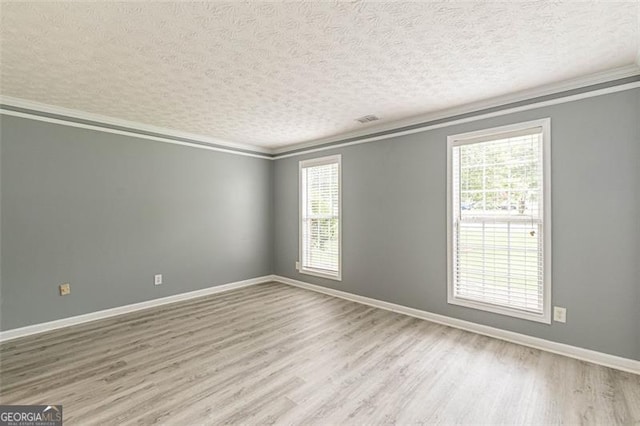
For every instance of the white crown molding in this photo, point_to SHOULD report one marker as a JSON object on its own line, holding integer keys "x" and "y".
{"x": 121, "y": 310}
{"x": 549, "y": 89}
{"x": 600, "y": 358}
{"x": 498, "y": 113}
{"x": 128, "y": 133}
{"x": 308, "y": 147}
{"x": 103, "y": 119}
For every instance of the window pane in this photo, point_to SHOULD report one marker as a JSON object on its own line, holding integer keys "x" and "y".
{"x": 500, "y": 263}
{"x": 501, "y": 177}
{"x": 323, "y": 244}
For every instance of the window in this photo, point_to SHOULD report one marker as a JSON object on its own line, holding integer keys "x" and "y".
{"x": 320, "y": 217}
{"x": 499, "y": 240}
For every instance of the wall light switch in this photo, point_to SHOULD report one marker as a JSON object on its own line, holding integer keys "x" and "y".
{"x": 65, "y": 289}
{"x": 297, "y": 266}
{"x": 157, "y": 280}
{"x": 559, "y": 314}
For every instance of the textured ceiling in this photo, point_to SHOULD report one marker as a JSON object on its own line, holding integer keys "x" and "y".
{"x": 273, "y": 74}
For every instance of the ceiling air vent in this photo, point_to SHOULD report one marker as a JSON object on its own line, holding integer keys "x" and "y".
{"x": 367, "y": 119}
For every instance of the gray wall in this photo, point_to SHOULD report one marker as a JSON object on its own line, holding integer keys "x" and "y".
{"x": 394, "y": 217}
{"x": 106, "y": 212}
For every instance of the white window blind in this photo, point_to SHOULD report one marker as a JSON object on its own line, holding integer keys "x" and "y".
{"x": 497, "y": 222}
{"x": 320, "y": 217}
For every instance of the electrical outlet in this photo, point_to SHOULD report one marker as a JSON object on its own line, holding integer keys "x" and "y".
{"x": 65, "y": 289}
{"x": 157, "y": 279}
{"x": 297, "y": 266}
{"x": 559, "y": 314}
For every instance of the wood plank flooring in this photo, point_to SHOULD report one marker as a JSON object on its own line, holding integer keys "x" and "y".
{"x": 278, "y": 354}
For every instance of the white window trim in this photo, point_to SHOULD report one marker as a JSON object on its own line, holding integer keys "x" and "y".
{"x": 310, "y": 163}
{"x": 460, "y": 139}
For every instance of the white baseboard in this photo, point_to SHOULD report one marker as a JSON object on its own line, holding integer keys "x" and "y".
{"x": 612, "y": 361}
{"x": 107, "y": 313}
{"x": 600, "y": 358}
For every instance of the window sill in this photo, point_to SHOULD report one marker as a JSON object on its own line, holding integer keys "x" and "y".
{"x": 321, "y": 274}
{"x": 544, "y": 317}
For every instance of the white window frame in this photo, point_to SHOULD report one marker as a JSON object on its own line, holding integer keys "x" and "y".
{"x": 300, "y": 264}
{"x": 471, "y": 137}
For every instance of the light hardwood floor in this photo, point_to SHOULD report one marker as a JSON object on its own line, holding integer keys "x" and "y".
{"x": 274, "y": 353}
